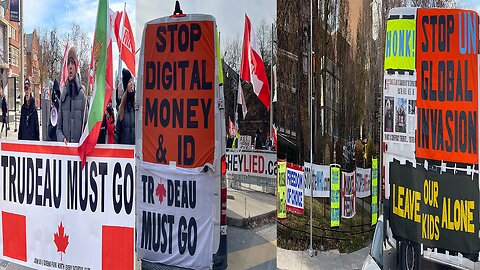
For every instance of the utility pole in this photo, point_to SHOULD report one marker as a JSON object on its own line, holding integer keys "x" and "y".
{"x": 310, "y": 49}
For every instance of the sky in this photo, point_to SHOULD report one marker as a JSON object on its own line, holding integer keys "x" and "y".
{"x": 229, "y": 14}
{"x": 48, "y": 14}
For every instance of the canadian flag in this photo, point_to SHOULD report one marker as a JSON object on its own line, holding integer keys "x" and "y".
{"x": 63, "y": 77}
{"x": 252, "y": 69}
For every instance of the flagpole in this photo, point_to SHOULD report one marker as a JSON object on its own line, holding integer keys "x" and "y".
{"x": 119, "y": 70}
{"x": 236, "y": 101}
{"x": 271, "y": 89}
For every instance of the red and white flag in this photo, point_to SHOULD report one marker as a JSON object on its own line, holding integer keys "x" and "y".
{"x": 117, "y": 19}
{"x": 126, "y": 43}
{"x": 241, "y": 99}
{"x": 231, "y": 127}
{"x": 63, "y": 77}
{"x": 252, "y": 68}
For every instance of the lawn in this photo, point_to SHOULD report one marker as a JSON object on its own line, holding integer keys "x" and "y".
{"x": 353, "y": 234}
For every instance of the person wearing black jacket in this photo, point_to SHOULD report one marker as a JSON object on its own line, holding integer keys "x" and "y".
{"x": 4, "y": 113}
{"x": 28, "y": 129}
{"x": 125, "y": 127}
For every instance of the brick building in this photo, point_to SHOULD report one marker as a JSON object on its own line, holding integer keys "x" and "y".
{"x": 32, "y": 64}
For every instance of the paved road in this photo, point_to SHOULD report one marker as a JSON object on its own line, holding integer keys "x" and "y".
{"x": 252, "y": 248}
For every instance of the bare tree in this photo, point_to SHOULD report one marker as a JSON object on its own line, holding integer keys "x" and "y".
{"x": 232, "y": 54}
{"x": 79, "y": 38}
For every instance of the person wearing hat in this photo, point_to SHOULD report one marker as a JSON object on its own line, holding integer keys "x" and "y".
{"x": 71, "y": 113}
{"x": 28, "y": 129}
{"x": 125, "y": 127}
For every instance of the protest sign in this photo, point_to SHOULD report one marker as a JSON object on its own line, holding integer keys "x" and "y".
{"x": 295, "y": 181}
{"x": 321, "y": 180}
{"x": 348, "y": 194}
{"x": 281, "y": 190}
{"x": 335, "y": 196}
{"x": 57, "y": 216}
{"x": 252, "y": 163}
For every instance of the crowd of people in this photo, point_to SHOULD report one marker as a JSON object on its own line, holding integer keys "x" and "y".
{"x": 69, "y": 109}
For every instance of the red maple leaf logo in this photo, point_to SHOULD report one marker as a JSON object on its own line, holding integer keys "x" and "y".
{"x": 160, "y": 192}
{"x": 61, "y": 240}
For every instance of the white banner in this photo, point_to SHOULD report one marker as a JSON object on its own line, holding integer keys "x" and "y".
{"x": 174, "y": 216}
{"x": 363, "y": 182}
{"x": 348, "y": 195}
{"x": 54, "y": 215}
{"x": 252, "y": 163}
{"x": 321, "y": 178}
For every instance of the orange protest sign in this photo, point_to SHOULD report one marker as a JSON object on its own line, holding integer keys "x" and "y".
{"x": 178, "y": 96}
{"x": 447, "y": 85}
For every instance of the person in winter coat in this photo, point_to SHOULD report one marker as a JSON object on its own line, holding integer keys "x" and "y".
{"x": 55, "y": 104}
{"x": 28, "y": 129}
{"x": 107, "y": 130}
{"x": 4, "y": 113}
{"x": 71, "y": 114}
{"x": 125, "y": 127}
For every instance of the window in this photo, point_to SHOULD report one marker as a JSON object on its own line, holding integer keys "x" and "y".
{"x": 13, "y": 55}
{"x": 11, "y": 32}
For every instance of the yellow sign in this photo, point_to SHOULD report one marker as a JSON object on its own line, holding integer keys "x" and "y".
{"x": 400, "y": 44}
{"x": 335, "y": 197}
{"x": 374, "y": 191}
{"x": 281, "y": 190}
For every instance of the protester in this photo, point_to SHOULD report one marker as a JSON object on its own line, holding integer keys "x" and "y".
{"x": 107, "y": 130}
{"x": 4, "y": 113}
{"x": 54, "y": 106}
{"x": 258, "y": 140}
{"x": 125, "y": 127}
{"x": 28, "y": 129}
{"x": 71, "y": 115}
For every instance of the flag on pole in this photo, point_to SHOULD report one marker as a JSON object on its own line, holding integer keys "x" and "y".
{"x": 64, "y": 75}
{"x": 241, "y": 98}
{"x": 275, "y": 141}
{"x": 128, "y": 46}
{"x": 231, "y": 127}
{"x": 117, "y": 18}
{"x": 102, "y": 81}
{"x": 252, "y": 68}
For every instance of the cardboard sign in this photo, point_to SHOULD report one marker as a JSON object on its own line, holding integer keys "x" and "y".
{"x": 179, "y": 93}
{"x": 252, "y": 163}
{"x": 281, "y": 190}
{"x": 295, "y": 188}
{"x": 438, "y": 210}
{"x": 245, "y": 142}
{"x": 335, "y": 197}
{"x": 447, "y": 85}
{"x": 56, "y": 216}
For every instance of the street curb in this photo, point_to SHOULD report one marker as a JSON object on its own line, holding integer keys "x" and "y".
{"x": 242, "y": 222}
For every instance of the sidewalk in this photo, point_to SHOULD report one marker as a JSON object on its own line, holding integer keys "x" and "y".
{"x": 289, "y": 259}
{"x": 248, "y": 205}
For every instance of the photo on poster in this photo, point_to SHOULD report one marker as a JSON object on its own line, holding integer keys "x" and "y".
{"x": 400, "y": 115}
{"x": 411, "y": 106}
{"x": 389, "y": 105}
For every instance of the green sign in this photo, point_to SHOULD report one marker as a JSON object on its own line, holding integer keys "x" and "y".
{"x": 335, "y": 197}
{"x": 281, "y": 190}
